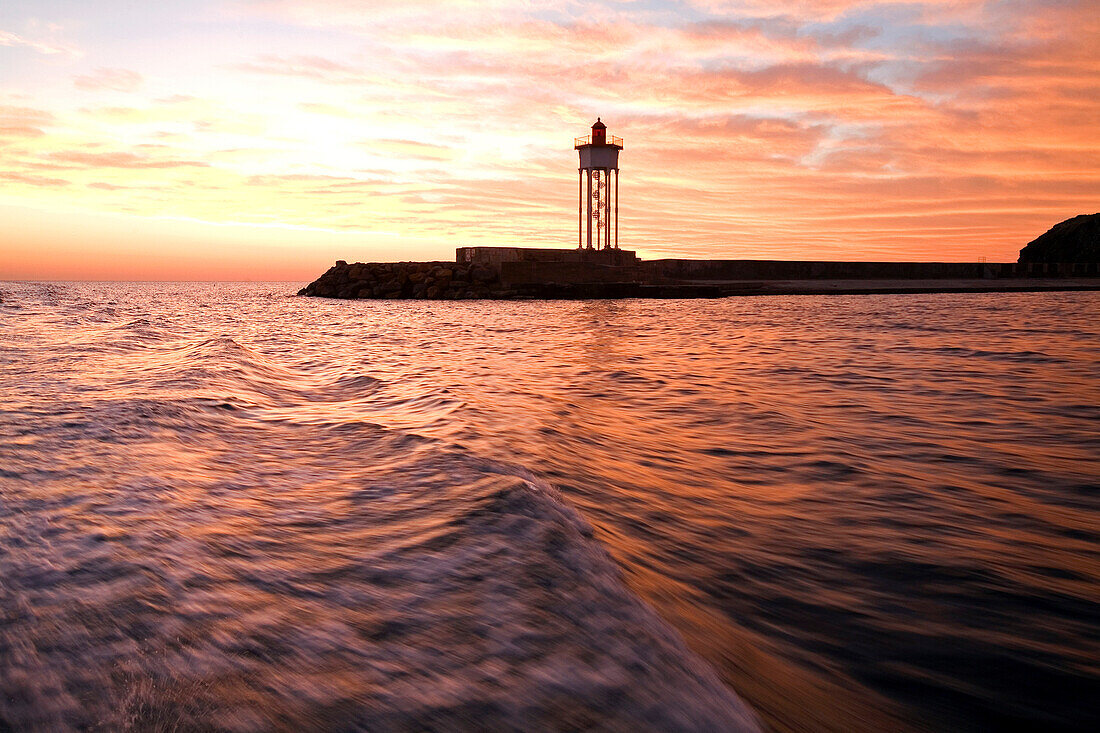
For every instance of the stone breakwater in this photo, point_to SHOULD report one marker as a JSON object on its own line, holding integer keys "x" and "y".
{"x": 441, "y": 280}
{"x": 414, "y": 280}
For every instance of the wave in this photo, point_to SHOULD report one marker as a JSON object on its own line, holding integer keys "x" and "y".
{"x": 197, "y": 563}
{"x": 1022, "y": 356}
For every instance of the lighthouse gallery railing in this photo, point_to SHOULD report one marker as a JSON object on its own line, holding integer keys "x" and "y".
{"x": 587, "y": 140}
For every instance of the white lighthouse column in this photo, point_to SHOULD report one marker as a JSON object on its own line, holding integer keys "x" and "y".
{"x": 580, "y": 208}
{"x": 600, "y": 208}
{"x": 589, "y": 208}
{"x": 616, "y": 208}
{"x": 607, "y": 209}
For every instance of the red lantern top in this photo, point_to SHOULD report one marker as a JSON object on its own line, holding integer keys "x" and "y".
{"x": 599, "y": 133}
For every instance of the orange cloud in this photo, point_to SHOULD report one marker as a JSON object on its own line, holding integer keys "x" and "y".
{"x": 32, "y": 180}
{"x": 119, "y": 80}
{"x": 117, "y": 160}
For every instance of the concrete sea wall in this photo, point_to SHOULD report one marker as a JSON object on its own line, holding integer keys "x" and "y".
{"x": 682, "y": 269}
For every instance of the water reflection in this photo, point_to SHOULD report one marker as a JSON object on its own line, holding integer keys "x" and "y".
{"x": 279, "y": 512}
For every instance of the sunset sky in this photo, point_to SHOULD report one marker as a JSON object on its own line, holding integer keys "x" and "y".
{"x": 263, "y": 139}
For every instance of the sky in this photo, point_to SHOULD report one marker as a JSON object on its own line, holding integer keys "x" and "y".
{"x": 264, "y": 139}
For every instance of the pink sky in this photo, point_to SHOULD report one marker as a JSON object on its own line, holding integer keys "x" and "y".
{"x": 263, "y": 139}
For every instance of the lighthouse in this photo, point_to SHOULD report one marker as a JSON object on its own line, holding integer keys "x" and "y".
{"x": 598, "y": 209}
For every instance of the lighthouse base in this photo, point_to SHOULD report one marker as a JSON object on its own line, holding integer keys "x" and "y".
{"x": 498, "y": 255}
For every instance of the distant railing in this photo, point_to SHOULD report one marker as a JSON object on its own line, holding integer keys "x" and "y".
{"x": 587, "y": 140}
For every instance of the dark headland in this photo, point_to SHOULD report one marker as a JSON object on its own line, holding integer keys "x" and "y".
{"x": 1065, "y": 258}
{"x": 1073, "y": 240}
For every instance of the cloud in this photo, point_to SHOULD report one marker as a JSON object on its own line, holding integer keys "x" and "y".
{"x": 20, "y": 131}
{"x": 119, "y": 80}
{"x": 32, "y": 180}
{"x": 311, "y": 67}
{"x": 117, "y": 160}
{"x": 7, "y": 38}
{"x": 23, "y": 121}
{"x": 408, "y": 149}
{"x": 177, "y": 99}
{"x": 321, "y": 108}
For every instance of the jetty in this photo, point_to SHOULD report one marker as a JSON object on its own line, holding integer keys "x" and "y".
{"x": 522, "y": 273}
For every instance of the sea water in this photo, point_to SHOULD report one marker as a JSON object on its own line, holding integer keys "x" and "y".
{"x": 223, "y": 506}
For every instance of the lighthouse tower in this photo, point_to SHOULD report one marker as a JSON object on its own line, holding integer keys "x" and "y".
{"x": 599, "y": 158}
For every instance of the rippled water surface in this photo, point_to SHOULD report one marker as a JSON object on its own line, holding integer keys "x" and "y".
{"x": 222, "y": 506}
